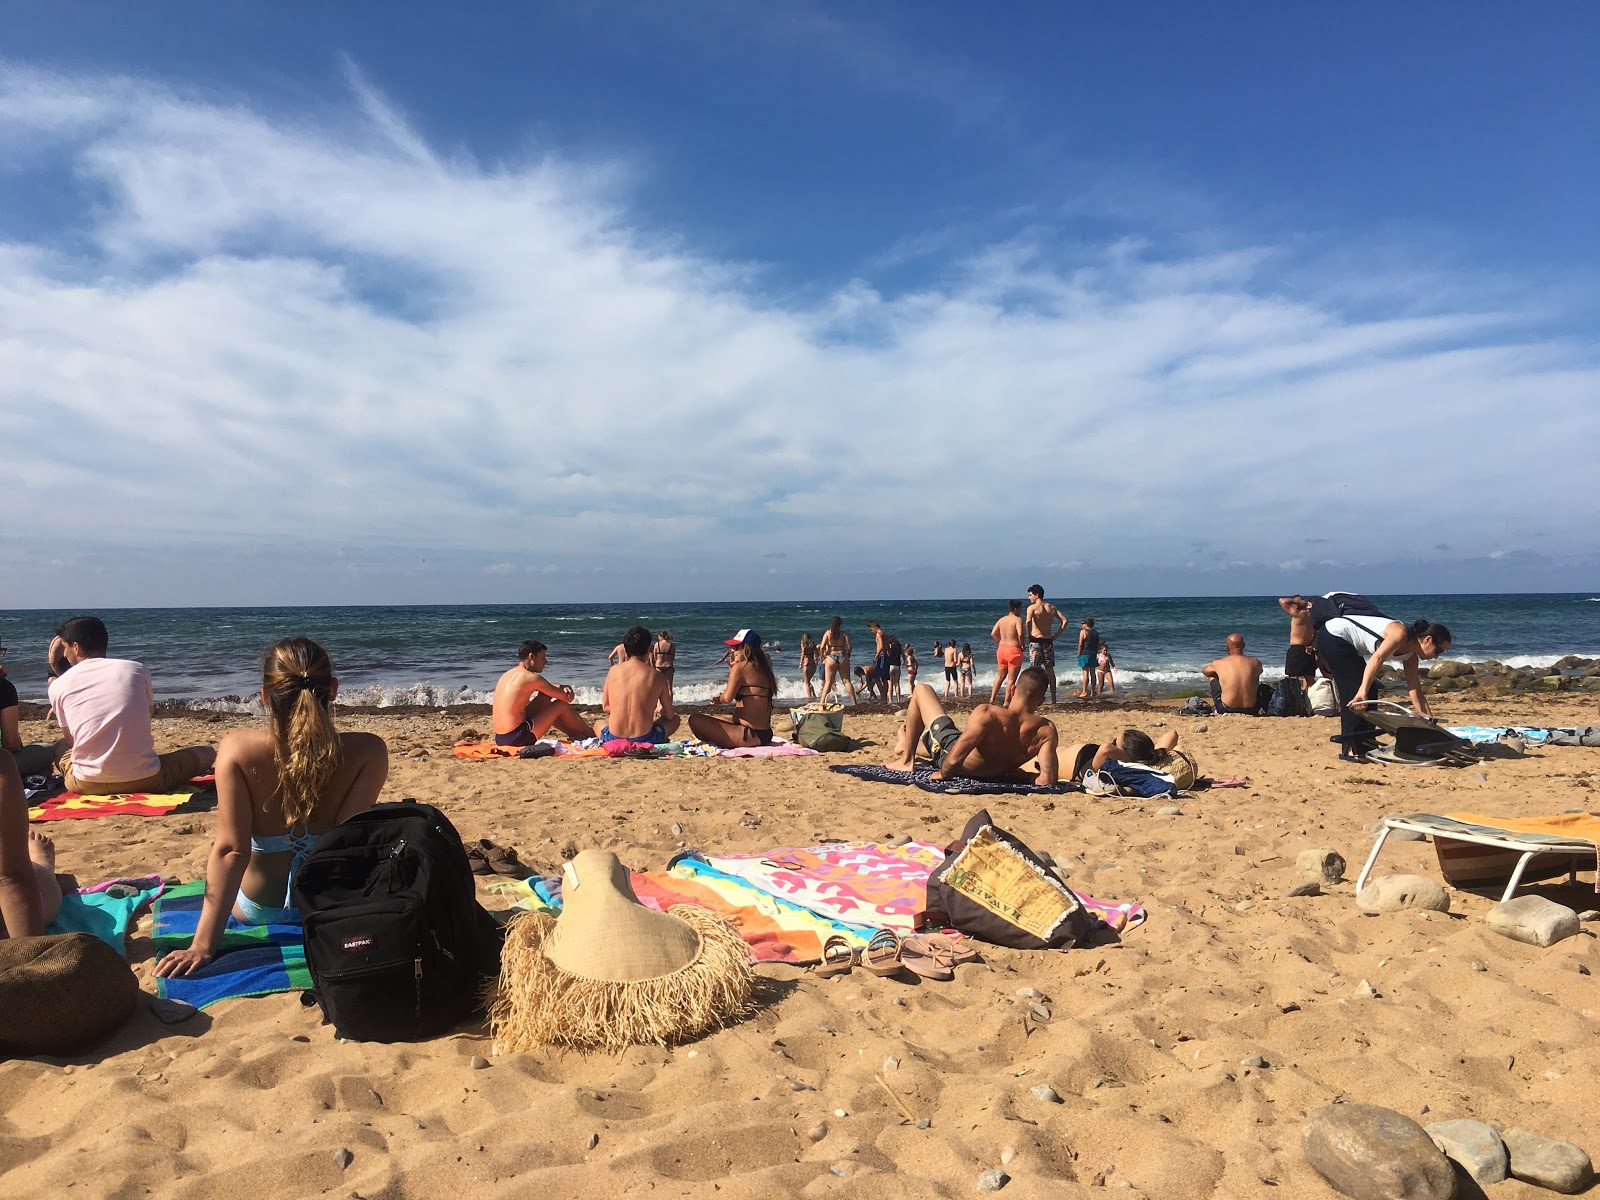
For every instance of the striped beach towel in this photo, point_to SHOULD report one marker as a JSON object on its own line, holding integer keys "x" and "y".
{"x": 254, "y": 960}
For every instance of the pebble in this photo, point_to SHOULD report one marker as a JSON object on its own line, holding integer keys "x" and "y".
{"x": 1481, "y": 777}
{"x": 1046, "y": 1093}
{"x": 796, "y": 1086}
{"x": 677, "y": 830}
{"x": 1474, "y": 1145}
{"x": 836, "y": 1169}
{"x": 343, "y": 1157}
{"x": 839, "y": 1112}
{"x": 826, "y": 1029}
{"x": 993, "y": 1180}
{"x": 1243, "y": 906}
{"x": 1170, "y": 810}
{"x": 1255, "y": 1060}
{"x": 1589, "y": 914}
{"x": 1393, "y": 893}
{"x": 594, "y": 1140}
{"x": 1201, "y": 727}
{"x": 897, "y": 840}
{"x": 1309, "y": 888}
{"x": 1039, "y": 1011}
{"x": 479, "y": 1062}
{"x": 1007, "y": 1155}
{"x": 1366, "y": 989}
{"x": 1322, "y": 863}
{"x": 817, "y": 1132}
{"x": 900, "y": 1000}
{"x": 1372, "y": 1153}
{"x": 299, "y": 1037}
{"x": 1582, "y": 970}
{"x": 1029, "y": 993}
{"x": 1548, "y": 1162}
{"x": 1478, "y": 966}
{"x": 1533, "y": 920}
{"x": 924, "y": 1122}
{"x": 891, "y": 1064}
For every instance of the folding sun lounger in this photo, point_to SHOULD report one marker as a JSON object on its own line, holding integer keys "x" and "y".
{"x": 1474, "y": 855}
{"x": 1418, "y": 741}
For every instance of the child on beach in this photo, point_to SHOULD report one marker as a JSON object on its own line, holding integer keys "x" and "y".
{"x": 1108, "y": 678}
{"x": 911, "y": 667}
{"x": 966, "y": 670}
{"x": 277, "y": 789}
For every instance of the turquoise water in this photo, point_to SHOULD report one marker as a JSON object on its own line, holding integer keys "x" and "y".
{"x": 435, "y": 655}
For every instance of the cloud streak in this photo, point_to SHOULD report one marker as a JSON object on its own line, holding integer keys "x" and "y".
{"x": 260, "y": 329}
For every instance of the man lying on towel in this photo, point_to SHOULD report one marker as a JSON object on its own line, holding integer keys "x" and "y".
{"x": 526, "y": 704}
{"x": 996, "y": 744}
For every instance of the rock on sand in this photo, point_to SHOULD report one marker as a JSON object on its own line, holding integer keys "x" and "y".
{"x": 1548, "y": 1162}
{"x": 1371, "y": 1153}
{"x": 1391, "y": 893}
{"x": 1533, "y": 919}
{"x": 1474, "y": 1145}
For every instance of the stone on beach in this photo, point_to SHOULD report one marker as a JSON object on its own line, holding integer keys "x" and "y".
{"x": 1324, "y": 864}
{"x": 1532, "y": 919}
{"x": 1372, "y": 1153}
{"x": 1548, "y": 1162}
{"x": 1474, "y": 1145}
{"x": 1392, "y": 893}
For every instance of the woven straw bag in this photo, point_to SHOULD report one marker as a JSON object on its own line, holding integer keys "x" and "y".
{"x": 60, "y": 993}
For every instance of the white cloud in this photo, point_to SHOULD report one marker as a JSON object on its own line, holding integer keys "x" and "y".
{"x": 258, "y": 326}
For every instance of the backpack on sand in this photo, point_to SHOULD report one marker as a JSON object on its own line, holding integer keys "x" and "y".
{"x": 398, "y": 946}
{"x": 1289, "y": 698}
{"x": 820, "y": 729}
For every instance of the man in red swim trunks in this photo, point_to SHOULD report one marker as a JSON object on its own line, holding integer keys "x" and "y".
{"x": 1007, "y": 633}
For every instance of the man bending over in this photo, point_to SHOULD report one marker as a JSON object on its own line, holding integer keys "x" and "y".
{"x": 634, "y": 690}
{"x": 1236, "y": 680}
{"x": 104, "y": 706}
{"x": 526, "y": 704}
{"x": 996, "y": 742}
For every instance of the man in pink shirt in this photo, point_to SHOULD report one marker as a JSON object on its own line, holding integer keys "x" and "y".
{"x": 104, "y": 706}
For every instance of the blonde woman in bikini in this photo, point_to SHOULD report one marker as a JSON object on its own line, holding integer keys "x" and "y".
{"x": 835, "y": 651}
{"x": 809, "y": 655}
{"x": 277, "y": 789}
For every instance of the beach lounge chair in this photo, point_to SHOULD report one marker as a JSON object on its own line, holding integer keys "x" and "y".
{"x": 1418, "y": 741}
{"x": 1474, "y": 854}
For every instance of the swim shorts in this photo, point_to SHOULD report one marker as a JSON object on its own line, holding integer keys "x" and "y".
{"x": 522, "y": 735}
{"x": 1042, "y": 653}
{"x": 938, "y": 737}
{"x": 1008, "y": 657}
{"x": 1086, "y": 661}
{"x": 1301, "y": 661}
{"x": 655, "y": 737}
{"x": 881, "y": 665}
{"x": 950, "y": 674}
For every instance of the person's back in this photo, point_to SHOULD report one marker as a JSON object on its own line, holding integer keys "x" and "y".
{"x": 633, "y": 692}
{"x": 1237, "y": 676}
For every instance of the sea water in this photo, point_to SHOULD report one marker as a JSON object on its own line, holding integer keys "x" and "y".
{"x": 452, "y": 654}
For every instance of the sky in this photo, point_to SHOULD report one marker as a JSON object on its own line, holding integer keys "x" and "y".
{"x": 395, "y": 303}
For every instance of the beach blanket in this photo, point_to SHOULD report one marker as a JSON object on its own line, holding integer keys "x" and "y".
{"x": 956, "y": 787}
{"x": 1581, "y": 735}
{"x": 107, "y": 909}
{"x": 617, "y": 748}
{"x": 778, "y": 749}
{"x": 254, "y": 960}
{"x": 69, "y": 806}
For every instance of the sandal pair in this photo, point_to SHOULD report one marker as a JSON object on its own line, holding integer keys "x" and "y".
{"x": 881, "y": 956}
{"x": 935, "y": 956}
{"x": 487, "y": 858}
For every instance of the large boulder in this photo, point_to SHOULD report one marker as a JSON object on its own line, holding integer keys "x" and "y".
{"x": 1391, "y": 893}
{"x": 1371, "y": 1153}
{"x": 1548, "y": 1162}
{"x": 1474, "y": 1145}
{"x": 1450, "y": 670}
{"x": 1533, "y": 919}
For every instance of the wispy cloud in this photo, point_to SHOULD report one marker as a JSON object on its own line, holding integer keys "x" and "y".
{"x": 268, "y": 326}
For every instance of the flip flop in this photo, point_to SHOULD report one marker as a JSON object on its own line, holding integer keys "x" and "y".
{"x": 882, "y": 955}
{"x": 958, "y": 950}
{"x": 838, "y": 956}
{"x": 921, "y": 956}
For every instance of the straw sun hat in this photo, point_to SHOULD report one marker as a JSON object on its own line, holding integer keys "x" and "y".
{"x": 611, "y": 973}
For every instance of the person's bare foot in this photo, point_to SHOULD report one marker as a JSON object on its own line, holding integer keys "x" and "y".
{"x": 42, "y": 850}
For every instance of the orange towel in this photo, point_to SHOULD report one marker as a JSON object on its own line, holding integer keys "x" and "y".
{"x": 1567, "y": 825}
{"x": 1469, "y": 864}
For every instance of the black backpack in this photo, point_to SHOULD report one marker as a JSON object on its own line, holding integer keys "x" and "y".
{"x": 398, "y": 946}
{"x": 1289, "y": 698}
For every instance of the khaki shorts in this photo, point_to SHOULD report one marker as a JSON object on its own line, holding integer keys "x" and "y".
{"x": 177, "y": 768}
{"x": 1180, "y": 764}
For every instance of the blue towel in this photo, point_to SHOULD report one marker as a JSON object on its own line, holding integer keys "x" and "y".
{"x": 107, "y": 915}
{"x": 955, "y": 787}
{"x": 254, "y": 960}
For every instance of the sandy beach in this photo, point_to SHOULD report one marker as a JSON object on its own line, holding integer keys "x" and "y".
{"x": 1146, "y": 1044}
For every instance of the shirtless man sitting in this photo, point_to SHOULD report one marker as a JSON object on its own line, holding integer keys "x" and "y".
{"x": 526, "y": 704}
{"x": 1236, "y": 680}
{"x": 997, "y": 741}
{"x": 634, "y": 691}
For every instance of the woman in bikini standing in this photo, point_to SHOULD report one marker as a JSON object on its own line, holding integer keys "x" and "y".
{"x": 835, "y": 649}
{"x": 808, "y": 664}
{"x": 277, "y": 789}
{"x": 751, "y": 687}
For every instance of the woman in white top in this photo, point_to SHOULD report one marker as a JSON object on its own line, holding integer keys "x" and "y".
{"x": 1354, "y": 640}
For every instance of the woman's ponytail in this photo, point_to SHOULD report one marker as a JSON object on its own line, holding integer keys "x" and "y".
{"x": 298, "y": 677}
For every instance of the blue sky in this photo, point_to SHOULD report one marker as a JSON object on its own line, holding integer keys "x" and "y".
{"x": 387, "y": 303}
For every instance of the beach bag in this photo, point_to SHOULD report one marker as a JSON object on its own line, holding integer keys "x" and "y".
{"x": 1289, "y": 699}
{"x": 1195, "y": 707}
{"x": 820, "y": 729}
{"x": 1135, "y": 779}
{"x": 398, "y": 946}
{"x": 61, "y": 993}
{"x": 994, "y": 888}
{"x": 1323, "y": 698}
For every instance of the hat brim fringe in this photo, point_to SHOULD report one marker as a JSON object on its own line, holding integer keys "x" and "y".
{"x": 538, "y": 1004}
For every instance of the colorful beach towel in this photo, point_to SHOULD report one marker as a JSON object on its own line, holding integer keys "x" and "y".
{"x": 69, "y": 806}
{"x": 107, "y": 909}
{"x": 254, "y": 960}
{"x": 1581, "y": 735}
{"x": 956, "y": 787}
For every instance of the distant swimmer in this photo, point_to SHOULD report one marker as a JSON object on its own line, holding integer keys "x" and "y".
{"x": 1235, "y": 680}
{"x": 637, "y": 698}
{"x": 997, "y": 742}
{"x": 1007, "y": 635}
{"x": 1354, "y": 640}
{"x": 527, "y": 705}
{"x": 1044, "y": 622}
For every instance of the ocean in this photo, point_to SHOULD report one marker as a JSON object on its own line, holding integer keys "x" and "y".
{"x": 442, "y": 655}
